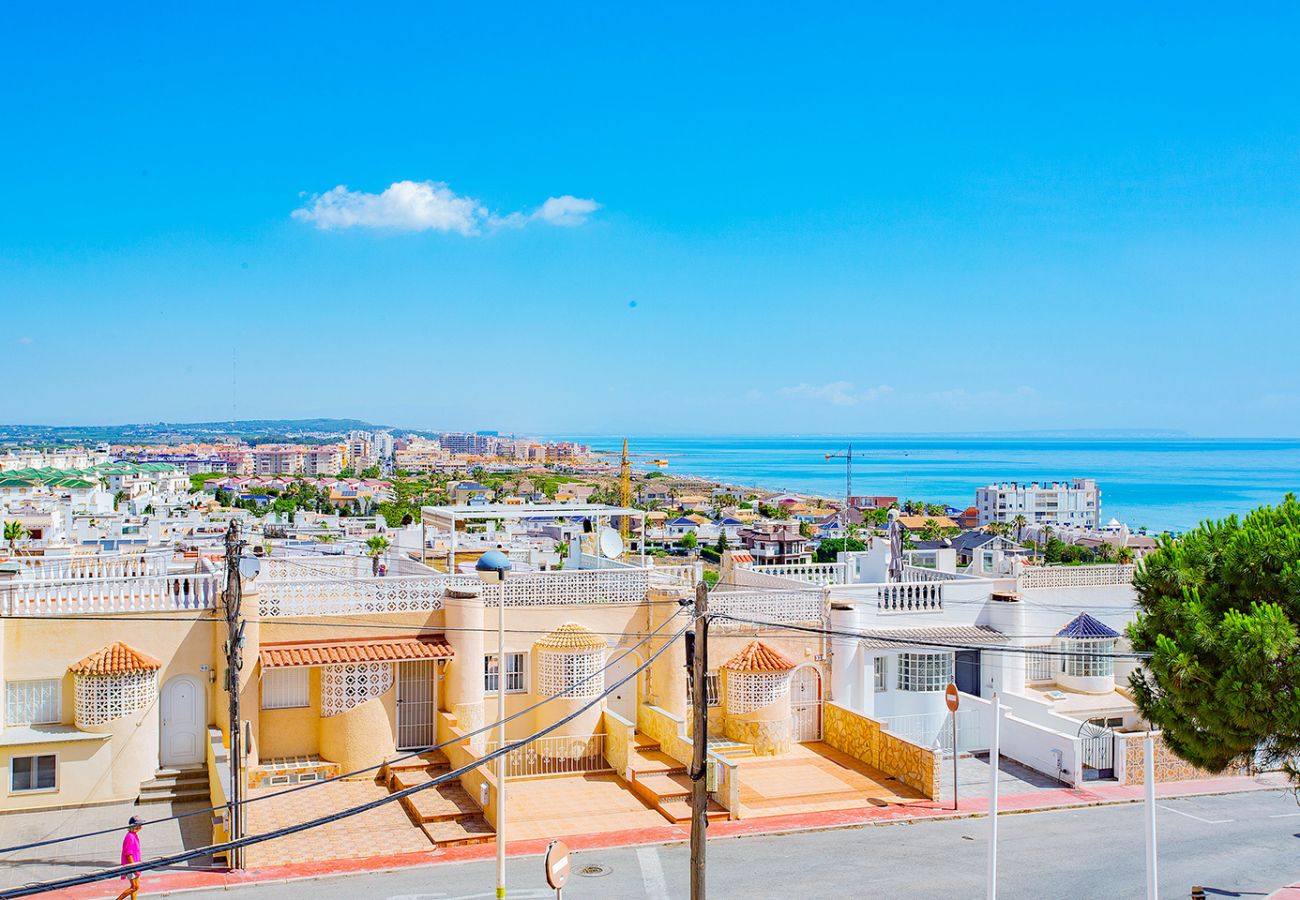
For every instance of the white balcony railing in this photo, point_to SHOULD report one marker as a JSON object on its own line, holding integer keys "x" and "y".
{"x": 799, "y": 607}
{"x": 95, "y": 565}
{"x": 820, "y": 574}
{"x": 910, "y": 597}
{"x": 1074, "y": 576}
{"x": 555, "y": 755}
{"x": 110, "y": 595}
{"x": 925, "y": 573}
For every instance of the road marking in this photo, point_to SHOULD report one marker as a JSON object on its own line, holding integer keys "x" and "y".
{"x": 1190, "y": 816}
{"x": 1285, "y": 816}
{"x": 652, "y": 873}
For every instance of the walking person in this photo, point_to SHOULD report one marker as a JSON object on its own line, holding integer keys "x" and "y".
{"x": 131, "y": 854}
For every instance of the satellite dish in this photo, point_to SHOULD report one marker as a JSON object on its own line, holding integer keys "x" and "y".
{"x": 249, "y": 567}
{"x": 611, "y": 543}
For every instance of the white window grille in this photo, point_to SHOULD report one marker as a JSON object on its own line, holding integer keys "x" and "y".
{"x": 575, "y": 674}
{"x": 516, "y": 669}
{"x": 748, "y": 691}
{"x": 33, "y": 773}
{"x": 36, "y": 702}
{"x": 103, "y": 698}
{"x": 286, "y": 688}
{"x": 924, "y": 671}
{"x": 347, "y": 686}
{"x": 1039, "y": 665}
{"x": 882, "y": 674}
{"x": 712, "y": 689}
{"x": 1089, "y": 658}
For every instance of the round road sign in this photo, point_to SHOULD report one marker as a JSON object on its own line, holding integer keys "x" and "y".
{"x": 557, "y": 864}
{"x": 950, "y": 696}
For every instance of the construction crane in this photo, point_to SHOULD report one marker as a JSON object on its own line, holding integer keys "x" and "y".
{"x": 625, "y": 494}
{"x": 848, "y": 488}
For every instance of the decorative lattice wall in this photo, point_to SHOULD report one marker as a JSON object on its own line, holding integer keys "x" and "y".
{"x": 563, "y": 673}
{"x": 103, "y": 698}
{"x": 344, "y": 687}
{"x": 748, "y": 691}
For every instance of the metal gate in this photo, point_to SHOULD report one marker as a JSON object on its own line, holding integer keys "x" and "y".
{"x": 1097, "y": 751}
{"x": 417, "y": 704}
{"x": 806, "y": 703}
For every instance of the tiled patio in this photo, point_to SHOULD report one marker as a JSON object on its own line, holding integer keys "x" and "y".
{"x": 384, "y": 830}
{"x": 574, "y": 804}
{"x": 814, "y": 777}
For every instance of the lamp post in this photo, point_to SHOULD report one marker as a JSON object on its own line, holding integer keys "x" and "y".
{"x": 492, "y": 568}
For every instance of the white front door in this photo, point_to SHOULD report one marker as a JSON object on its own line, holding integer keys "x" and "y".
{"x": 806, "y": 703}
{"x": 623, "y": 700}
{"x": 417, "y": 704}
{"x": 184, "y": 717}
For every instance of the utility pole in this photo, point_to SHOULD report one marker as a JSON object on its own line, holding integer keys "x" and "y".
{"x": 848, "y": 491}
{"x": 234, "y": 662}
{"x": 699, "y": 741}
{"x": 1149, "y": 784}
{"x": 991, "y": 887}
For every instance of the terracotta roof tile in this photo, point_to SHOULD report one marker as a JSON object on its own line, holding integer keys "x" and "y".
{"x": 758, "y": 657}
{"x": 572, "y": 636}
{"x": 114, "y": 660}
{"x": 331, "y": 653}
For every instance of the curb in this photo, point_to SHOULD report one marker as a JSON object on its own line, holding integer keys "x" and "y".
{"x": 672, "y": 835}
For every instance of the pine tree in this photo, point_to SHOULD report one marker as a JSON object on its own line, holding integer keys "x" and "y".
{"x": 1219, "y": 610}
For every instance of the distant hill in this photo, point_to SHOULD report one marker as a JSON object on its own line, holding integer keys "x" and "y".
{"x": 251, "y": 430}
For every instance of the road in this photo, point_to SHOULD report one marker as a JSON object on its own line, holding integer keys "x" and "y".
{"x": 1242, "y": 845}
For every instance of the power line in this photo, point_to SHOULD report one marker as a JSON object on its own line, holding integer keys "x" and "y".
{"x": 29, "y": 890}
{"x": 388, "y": 762}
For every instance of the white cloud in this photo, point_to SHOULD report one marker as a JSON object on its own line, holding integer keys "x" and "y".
{"x": 836, "y": 393}
{"x": 25, "y": 340}
{"x": 567, "y": 210}
{"x": 430, "y": 206}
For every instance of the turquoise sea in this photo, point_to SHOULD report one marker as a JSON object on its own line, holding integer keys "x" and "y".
{"x": 1159, "y": 483}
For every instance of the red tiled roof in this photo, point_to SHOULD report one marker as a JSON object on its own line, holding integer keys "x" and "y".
{"x": 329, "y": 653}
{"x": 758, "y": 657}
{"x": 115, "y": 659}
{"x": 742, "y": 556}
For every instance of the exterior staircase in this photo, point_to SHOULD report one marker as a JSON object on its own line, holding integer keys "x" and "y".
{"x": 446, "y": 814}
{"x": 188, "y": 785}
{"x": 662, "y": 784}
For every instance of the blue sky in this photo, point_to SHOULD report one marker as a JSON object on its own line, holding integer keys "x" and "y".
{"x": 754, "y": 219}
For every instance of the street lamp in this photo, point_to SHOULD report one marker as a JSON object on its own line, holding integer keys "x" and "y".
{"x": 492, "y": 567}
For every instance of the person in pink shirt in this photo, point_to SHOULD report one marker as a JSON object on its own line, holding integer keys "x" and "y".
{"x": 131, "y": 854}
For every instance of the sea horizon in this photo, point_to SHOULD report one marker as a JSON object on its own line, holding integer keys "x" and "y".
{"x": 1161, "y": 483}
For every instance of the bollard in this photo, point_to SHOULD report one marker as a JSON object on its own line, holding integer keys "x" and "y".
{"x": 1198, "y": 892}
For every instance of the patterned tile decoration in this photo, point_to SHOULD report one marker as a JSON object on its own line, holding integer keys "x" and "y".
{"x": 1168, "y": 767}
{"x": 864, "y": 739}
{"x": 284, "y": 770}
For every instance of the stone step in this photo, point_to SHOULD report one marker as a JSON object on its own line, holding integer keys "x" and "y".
{"x": 663, "y": 784}
{"x": 442, "y": 803}
{"x": 649, "y": 761}
{"x": 187, "y": 795}
{"x": 645, "y": 742}
{"x": 678, "y": 810}
{"x": 182, "y": 780}
{"x": 458, "y": 832}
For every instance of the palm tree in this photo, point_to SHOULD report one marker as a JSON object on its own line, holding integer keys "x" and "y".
{"x": 1104, "y": 552}
{"x": 118, "y": 498}
{"x": 1019, "y": 522}
{"x": 326, "y": 537}
{"x": 14, "y": 532}
{"x": 1124, "y": 555}
{"x": 378, "y": 546}
{"x": 930, "y": 530}
{"x": 1046, "y": 539}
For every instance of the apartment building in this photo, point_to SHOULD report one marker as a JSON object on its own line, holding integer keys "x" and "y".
{"x": 273, "y": 459}
{"x": 1075, "y": 503}
{"x": 327, "y": 459}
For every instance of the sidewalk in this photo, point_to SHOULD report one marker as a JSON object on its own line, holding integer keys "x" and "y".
{"x": 1037, "y": 801}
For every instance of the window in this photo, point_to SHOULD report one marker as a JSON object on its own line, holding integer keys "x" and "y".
{"x": 515, "y": 681}
{"x": 286, "y": 688}
{"x": 33, "y": 773}
{"x": 1089, "y": 658}
{"x": 35, "y": 702}
{"x": 712, "y": 690}
{"x": 1038, "y": 664}
{"x": 882, "y": 673}
{"x": 924, "y": 671}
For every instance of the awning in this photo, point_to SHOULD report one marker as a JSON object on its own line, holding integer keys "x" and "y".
{"x": 933, "y": 638}
{"x": 355, "y": 650}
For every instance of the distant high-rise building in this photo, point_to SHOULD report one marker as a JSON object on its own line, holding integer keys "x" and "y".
{"x": 1076, "y": 502}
